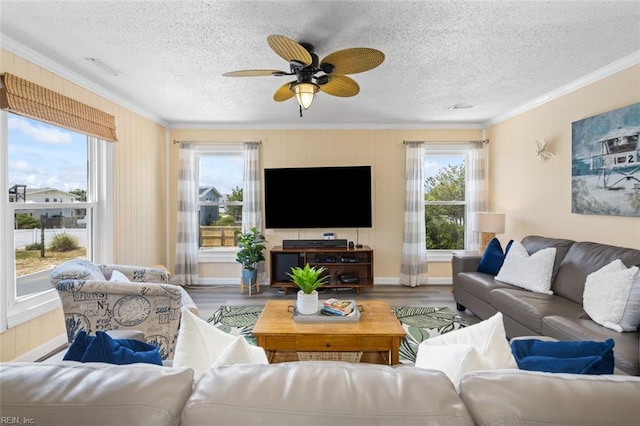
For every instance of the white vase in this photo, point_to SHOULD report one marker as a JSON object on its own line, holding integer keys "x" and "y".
{"x": 307, "y": 304}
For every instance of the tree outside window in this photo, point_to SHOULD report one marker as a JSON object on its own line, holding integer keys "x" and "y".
{"x": 445, "y": 205}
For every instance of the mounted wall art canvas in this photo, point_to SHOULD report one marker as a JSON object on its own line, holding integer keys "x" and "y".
{"x": 605, "y": 167}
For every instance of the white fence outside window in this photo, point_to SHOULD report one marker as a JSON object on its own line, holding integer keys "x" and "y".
{"x": 24, "y": 237}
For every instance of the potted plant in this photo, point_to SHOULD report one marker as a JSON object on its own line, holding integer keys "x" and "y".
{"x": 251, "y": 252}
{"x": 308, "y": 279}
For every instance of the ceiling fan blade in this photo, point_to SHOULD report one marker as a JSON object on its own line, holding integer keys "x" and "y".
{"x": 289, "y": 50}
{"x": 283, "y": 93}
{"x": 254, "y": 73}
{"x": 341, "y": 85}
{"x": 354, "y": 60}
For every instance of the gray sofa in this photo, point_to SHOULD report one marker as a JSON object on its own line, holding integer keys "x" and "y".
{"x": 560, "y": 315}
{"x": 307, "y": 393}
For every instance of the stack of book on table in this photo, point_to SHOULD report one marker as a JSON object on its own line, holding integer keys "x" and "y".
{"x": 337, "y": 307}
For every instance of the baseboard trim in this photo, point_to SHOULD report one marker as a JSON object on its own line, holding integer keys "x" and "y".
{"x": 43, "y": 350}
{"x": 439, "y": 281}
{"x": 381, "y": 281}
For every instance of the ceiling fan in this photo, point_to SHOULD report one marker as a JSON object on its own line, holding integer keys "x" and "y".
{"x": 327, "y": 75}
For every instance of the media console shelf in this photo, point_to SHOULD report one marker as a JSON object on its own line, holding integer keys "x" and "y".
{"x": 346, "y": 268}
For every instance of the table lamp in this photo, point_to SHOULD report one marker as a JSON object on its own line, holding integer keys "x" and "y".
{"x": 489, "y": 224}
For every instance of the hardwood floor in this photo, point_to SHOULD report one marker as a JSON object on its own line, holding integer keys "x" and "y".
{"x": 209, "y": 298}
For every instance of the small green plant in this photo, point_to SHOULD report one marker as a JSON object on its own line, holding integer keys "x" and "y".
{"x": 252, "y": 246}
{"x": 63, "y": 242}
{"x": 308, "y": 278}
{"x": 33, "y": 247}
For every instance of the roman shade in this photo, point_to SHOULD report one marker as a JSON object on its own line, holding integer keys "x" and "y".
{"x": 23, "y": 97}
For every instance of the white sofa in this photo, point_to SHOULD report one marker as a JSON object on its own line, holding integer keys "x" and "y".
{"x": 308, "y": 393}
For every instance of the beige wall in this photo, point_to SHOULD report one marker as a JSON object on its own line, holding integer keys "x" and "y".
{"x": 382, "y": 149}
{"x": 536, "y": 196}
{"x": 139, "y": 188}
{"x": 140, "y": 191}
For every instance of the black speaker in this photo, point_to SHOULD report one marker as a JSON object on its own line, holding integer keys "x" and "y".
{"x": 314, "y": 243}
{"x": 283, "y": 264}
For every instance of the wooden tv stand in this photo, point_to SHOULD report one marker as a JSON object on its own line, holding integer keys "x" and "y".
{"x": 335, "y": 260}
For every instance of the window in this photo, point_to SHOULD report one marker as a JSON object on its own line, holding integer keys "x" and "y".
{"x": 445, "y": 197}
{"x": 220, "y": 183}
{"x": 45, "y": 162}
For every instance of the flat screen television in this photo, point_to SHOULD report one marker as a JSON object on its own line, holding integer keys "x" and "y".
{"x": 318, "y": 197}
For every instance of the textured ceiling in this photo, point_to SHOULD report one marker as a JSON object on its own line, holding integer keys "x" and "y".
{"x": 494, "y": 55}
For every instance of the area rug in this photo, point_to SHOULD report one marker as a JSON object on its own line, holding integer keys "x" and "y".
{"x": 420, "y": 323}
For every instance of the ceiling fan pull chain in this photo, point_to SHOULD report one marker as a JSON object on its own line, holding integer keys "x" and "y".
{"x": 300, "y": 106}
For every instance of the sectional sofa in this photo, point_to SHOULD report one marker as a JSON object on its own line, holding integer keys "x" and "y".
{"x": 311, "y": 393}
{"x": 560, "y": 315}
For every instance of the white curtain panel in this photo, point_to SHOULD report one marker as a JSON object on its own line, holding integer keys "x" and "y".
{"x": 476, "y": 192}
{"x": 186, "y": 268}
{"x": 251, "y": 209}
{"x": 413, "y": 270}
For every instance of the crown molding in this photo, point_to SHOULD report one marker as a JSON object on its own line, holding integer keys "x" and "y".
{"x": 619, "y": 65}
{"x": 45, "y": 62}
{"x": 326, "y": 126}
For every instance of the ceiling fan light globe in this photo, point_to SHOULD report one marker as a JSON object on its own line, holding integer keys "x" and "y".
{"x": 305, "y": 92}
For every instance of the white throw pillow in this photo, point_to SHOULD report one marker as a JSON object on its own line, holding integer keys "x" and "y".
{"x": 118, "y": 277}
{"x": 529, "y": 272}
{"x": 612, "y": 296}
{"x": 481, "y": 346}
{"x": 201, "y": 346}
{"x": 454, "y": 360}
{"x": 77, "y": 269}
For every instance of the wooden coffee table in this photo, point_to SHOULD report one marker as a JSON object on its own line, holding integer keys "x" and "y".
{"x": 378, "y": 333}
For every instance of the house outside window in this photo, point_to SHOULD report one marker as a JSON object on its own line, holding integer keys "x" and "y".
{"x": 45, "y": 162}
{"x": 220, "y": 183}
{"x": 445, "y": 199}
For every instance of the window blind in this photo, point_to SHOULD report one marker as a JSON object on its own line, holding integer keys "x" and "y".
{"x": 23, "y": 97}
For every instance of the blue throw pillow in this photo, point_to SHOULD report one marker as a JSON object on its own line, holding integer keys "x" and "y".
{"x": 578, "y": 357}
{"x": 493, "y": 257}
{"x": 103, "y": 348}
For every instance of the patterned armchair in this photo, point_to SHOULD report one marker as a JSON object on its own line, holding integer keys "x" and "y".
{"x": 121, "y": 297}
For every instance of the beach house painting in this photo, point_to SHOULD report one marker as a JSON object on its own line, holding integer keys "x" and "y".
{"x": 605, "y": 163}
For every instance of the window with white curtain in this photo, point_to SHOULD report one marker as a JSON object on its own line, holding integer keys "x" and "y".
{"x": 44, "y": 162}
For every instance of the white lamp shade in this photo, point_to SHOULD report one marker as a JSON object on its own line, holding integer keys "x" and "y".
{"x": 305, "y": 93}
{"x": 490, "y": 222}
